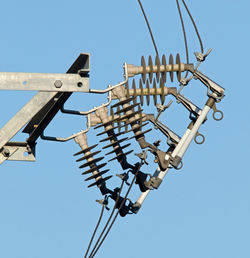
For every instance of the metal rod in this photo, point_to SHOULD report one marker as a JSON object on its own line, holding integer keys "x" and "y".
{"x": 59, "y": 139}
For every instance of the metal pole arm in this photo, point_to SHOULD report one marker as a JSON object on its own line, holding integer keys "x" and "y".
{"x": 44, "y": 82}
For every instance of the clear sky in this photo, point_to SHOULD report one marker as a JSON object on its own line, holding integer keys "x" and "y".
{"x": 201, "y": 211}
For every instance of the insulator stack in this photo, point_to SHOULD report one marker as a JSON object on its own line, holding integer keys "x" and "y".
{"x": 94, "y": 168}
{"x": 114, "y": 142}
{"x": 134, "y": 117}
{"x": 146, "y": 91}
{"x": 160, "y": 68}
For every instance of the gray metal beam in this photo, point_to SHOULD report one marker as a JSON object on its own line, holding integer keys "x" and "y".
{"x": 43, "y": 82}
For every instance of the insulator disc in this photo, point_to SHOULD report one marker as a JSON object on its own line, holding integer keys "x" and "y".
{"x": 112, "y": 136}
{"x": 148, "y": 89}
{"x": 88, "y": 156}
{"x": 171, "y": 62}
{"x": 107, "y": 130}
{"x": 155, "y": 92}
{"x": 97, "y": 175}
{"x": 164, "y": 74}
{"x": 138, "y": 128}
{"x": 140, "y": 135}
{"x": 151, "y": 65}
{"x": 85, "y": 150}
{"x": 116, "y": 143}
{"x": 101, "y": 181}
{"x": 178, "y": 62}
{"x": 131, "y": 107}
{"x": 141, "y": 88}
{"x": 143, "y": 64}
{"x": 162, "y": 91}
{"x": 136, "y": 121}
{"x": 121, "y": 155}
{"x": 130, "y": 115}
{"x": 125, "y": 101}
{"x": 91, "y": 162}
{"x": 94, "y": 169}
{"x": 103, "y": 124}
{"x": 118, "y": 149}
{"x": 158, "y": 64}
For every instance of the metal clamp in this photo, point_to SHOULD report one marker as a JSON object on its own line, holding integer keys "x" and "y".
{"x": 104, "y": 202}
{"x": 200, "y": 57}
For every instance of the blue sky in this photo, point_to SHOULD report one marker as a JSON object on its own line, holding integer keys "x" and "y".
{"x": 201, "y": 211}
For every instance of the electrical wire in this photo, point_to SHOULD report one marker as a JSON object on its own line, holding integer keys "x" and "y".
{"x": 184, "y": 34}
{"x": 123, "y": 202}
{"x": 195, "y": 27}
{"x": 150, "y": 31}
{"x": 110, "y": 217}
{"x": 93, "y": 235}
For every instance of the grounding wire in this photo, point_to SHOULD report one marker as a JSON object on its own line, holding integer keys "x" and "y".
{"x": 93, "y": 235}
{"x": 125, "y": 198}
{"x": 150, "y": 31}
{"x": 110, "y": 217}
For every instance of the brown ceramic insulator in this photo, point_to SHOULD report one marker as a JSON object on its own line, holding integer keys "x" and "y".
{"x": 164, "y": 74}
{"x": 91, "y": 155}
{"x": 115, "y": 143}
{"x": 91, "y": 162}
{"x": 158, "y": 64}
{"x": 100, "y": 181}
{"x": 120, "y": 148}
{"x": 144, "y": 73}
{"x": 97, "y": 175}
{"x": 171, "y": 62}
{"x": 94, "y": 168}
{"x": 85, "y": 150}
{"x": 121, "y": 155}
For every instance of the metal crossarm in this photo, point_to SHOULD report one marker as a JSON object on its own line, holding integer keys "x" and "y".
{"x": 53, "y": 91}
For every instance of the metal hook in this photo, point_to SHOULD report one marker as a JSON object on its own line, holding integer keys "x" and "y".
{"x": 202, "y": 138}
{"x": 180, "y": 167}
{"x": 216, "y": 111}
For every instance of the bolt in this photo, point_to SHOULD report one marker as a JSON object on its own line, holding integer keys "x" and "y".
{"x": 58, "y": 84}
{"x": 6, "y": 152}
